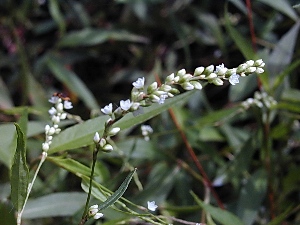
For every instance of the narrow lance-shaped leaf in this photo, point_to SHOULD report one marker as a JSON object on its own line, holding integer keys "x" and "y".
{"x": 19, "y": 172}
{"x": 118, "y": 193}
{"x": 222, "y": 216}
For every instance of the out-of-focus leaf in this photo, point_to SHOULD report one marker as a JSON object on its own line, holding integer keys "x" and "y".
{"x": 280, "y": 218}
{"x": 256, "y": 187}
{"x": 7, "y": 215}
{"x": 243, "y": 44}
{"x": 36, "y": 92}
{"x": 293, "y": 107}
{"x": 291, "y": 95}
{"x": 210, "y": 134}
{"x": 57, "y": 204}
{"x": 280, "y": 77}
{"x": 82, "y": 134}
{"x": 71, "y": 165}
{"x": 282, "y": 6}
{"x": 283, "y": 52}
{"x": 160, "y": 183}
{"x": 89, "y": 37}
{"x": 5, "y": 100}
{"x": 57, "y": 15}
{"x": 71, "y": 80}
{"x": 19, "y": 172}
{"x": 240, "y": 5}
{"x": 222, "y": 216}
{"x": 240, "y": 91}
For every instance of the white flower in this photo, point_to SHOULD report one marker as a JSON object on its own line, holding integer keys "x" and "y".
{"x": 146, "y": 130}
{"x": 52, "y": 111}
{"x": 152, "y": 206}
{"x": 139, "y": 83}
{"x": 107, "y": 109}
{"x": 187, "y": 86}
{"x": 221, "y": 69}
{"x": 234, "y": 79}
{"x": 68, "y": 105}
{"x": 125, "y": 105}
{"x": 93, "y": 210}
{"x": 96, "y": 138}
{"x": 54, "y": 99}
{"x": 98, "y": 215}
{"x": 162, "y": 98}
{"x": 108, "y": 147}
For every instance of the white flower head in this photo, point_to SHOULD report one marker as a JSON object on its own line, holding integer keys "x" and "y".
{"x": 234, "y": 79}
{"x": 125, "y": 105}
{"x": 107, "y": 109}
{"x": 68, "y": 105}
{"x": 152, "y": 206}
{"x": 139, "y": 83}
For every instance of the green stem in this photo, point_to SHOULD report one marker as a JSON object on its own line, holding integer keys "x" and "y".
{"x": 19, "y": 216}
{"x": 84, "y": 217}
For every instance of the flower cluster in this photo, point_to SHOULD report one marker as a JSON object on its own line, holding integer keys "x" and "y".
{"x": 57, "y": 114}
{"x": 260, "y": 100}
{"x": 142, "y": 96}
{"x": 146, "y": 131}
{"x": 94, "y": 212}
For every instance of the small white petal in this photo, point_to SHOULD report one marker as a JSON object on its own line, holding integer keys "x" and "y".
{"x": 54, "y": 99}
{"x": 152, "y": 206}
{"x": 108, "y": 147}
{"x": 234, "y": 79}
{"x": 107, "y": 109}
{"x": 125, "y": 105}
{"x": 139, "y": 83}
{"x": 68, "y": 105}
{"x": 98, "y": 215}
{"x": 52, "y": 111}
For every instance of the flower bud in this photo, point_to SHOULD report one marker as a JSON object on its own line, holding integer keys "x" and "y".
{"x": 96, "y": 138}
{"x": 181, "y": 72}
{"x": 170, "y": 78}
{"x": 217, "y": 81}
{"x": 107, "y": 148}
{"x": 114, "y": 131}
{"x": 187, "y": 86}
{"x": 250, "y": 62}
{"x": 45, "y": 147}
{"x": 102, "y": 142}
{"x": 196, "y": 84}
{"x": 198, "y": 71}
{"x": 209, "y": 69}
{"x": 152, "y": 87}
{"x": 251, "y": 69}
{"x": 259, "y": 70}
{"x": 211, "y": 76}
{"x": 258, "y": 62}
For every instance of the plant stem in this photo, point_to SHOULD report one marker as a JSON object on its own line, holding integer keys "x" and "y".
{"x": 19, "y": 215}
{"x": 84, "y": 215}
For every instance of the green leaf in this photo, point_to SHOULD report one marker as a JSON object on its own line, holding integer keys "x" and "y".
{"x": 118, "y": 193}
{"x": 57, "y": 204}
{"x": 82, "y": 134}
{"x": 89, "y": 37}
{"x": 222, "y": 216}
{"x": 19, "y": 172}
{"x": 283, "y": 52}
{"x": 282, "y": 6}
{"x": 7, "y": 216}
{"x": 242, "y": 43}
{"x": 256, "y": 187}
{"x": 246, "y": 87}
{"x": 71, "y": 165}
{"x": 57, "y": 15}
{"x": 71, "y": 80}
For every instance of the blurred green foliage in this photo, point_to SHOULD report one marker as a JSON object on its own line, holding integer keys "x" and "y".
{"x": 93, "y": 50}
